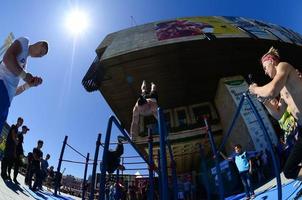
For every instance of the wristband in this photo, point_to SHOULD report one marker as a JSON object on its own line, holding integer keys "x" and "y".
{"x": 22, "y": 74}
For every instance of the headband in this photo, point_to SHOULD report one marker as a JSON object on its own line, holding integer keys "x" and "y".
{"x": 269, "y": 57}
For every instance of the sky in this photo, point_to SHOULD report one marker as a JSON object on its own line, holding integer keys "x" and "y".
{"x": 61, "y": 106}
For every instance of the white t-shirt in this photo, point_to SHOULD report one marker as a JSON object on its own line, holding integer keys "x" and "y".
{"x": 10, "y": 80}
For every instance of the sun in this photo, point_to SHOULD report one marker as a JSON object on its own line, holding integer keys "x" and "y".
{"x": 76, "y": 22}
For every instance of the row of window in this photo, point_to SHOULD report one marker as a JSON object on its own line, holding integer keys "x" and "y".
{"x": 181, "y": 118}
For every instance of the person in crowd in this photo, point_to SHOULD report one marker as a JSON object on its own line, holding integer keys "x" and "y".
{"x": 44, "y": 170}
{"x": 19, "y": 153}
{"x": 36, "y": 166}
{"x": 187, "y": 189}
{"x": 243, "y": 163}
{"x": 10, "y": 149}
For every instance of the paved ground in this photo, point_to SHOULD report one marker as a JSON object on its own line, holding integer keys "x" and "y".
{"x": 11, "y": 191}
{"x": 269, "y": 190}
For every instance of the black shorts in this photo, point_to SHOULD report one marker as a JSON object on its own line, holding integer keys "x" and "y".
{"x": 291, "y": 168}
{"x": 146, "y": 95}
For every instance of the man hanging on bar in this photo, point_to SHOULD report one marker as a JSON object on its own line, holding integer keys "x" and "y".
{"x": 146, "y": 105}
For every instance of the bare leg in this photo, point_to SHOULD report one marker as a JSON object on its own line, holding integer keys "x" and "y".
{"x": 153, "y": 87}
{"x": 144, "y": 87}
{"x": 154, "y": 113}
{"x": 300, "y": 175}
{"x": 135, "y": 122}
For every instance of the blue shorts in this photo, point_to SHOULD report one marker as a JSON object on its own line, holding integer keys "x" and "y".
{"x": 4, "y": 105}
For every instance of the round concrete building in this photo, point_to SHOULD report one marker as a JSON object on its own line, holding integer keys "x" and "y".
{"x": 200, "y": 66}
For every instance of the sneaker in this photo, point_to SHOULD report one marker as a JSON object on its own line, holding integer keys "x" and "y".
{"x": 4, "y": 176}
{"x": 144, "y": 86}
{"x": 16, "y": 181}
{"x": 121, "y": 167}
{"x": 298, "y": 195}
{"x": 121, "y": 139}
{"x": 153, "y": 87}
{"x": 33, "y": 189}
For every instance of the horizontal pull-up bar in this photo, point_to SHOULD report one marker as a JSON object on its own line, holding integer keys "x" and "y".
{"x": 135, "y": 169}
{"x": 133, "y": 163}
{"x": 77, "y": 162}
{"x": 75, "y": 150}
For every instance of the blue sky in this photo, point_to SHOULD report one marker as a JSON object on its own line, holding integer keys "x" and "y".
{"x": 61, "y": 106}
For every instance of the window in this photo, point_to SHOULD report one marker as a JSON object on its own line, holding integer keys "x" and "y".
{"x": 181, "y": 117}
{"x": 169, "y": 119}
{"x": 150, "y": 122}
{"x": 199, "y": 112}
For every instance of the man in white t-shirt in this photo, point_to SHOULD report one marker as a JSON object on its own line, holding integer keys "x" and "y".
{"x": 12, "y": 68}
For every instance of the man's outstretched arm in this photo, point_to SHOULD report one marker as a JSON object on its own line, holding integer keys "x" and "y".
{"x": 273, "y": 88}
{"x": 10, "y": 61}
{"x": 275, "y": 108}
{"x": 35, "y": 82}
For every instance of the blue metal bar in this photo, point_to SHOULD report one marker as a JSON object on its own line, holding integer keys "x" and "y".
{"x": 226, "y": 136}
{"x": 84, "y": 188}
{"x": 269, "y": 142}
{"x": 205, "y": 169}
{"x": 125, "y": 134}
{"x": 163, "y": 155}
{"x": 57, "y": 184}
{"x": 151, "y": 167}
{"x": 218, "y": 171}
{"x": 173, "y": 168}
{"x": 111, "y": 120}
{"x": 159, "y": 176}
{"x": 95, "y": 162}
{"x": 104, "y": 160}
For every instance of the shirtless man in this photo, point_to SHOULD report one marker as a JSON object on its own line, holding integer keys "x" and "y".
{"x": 12, "y": 69}
{"x": 287, "y": 83}
{"x": 146, "y": 105}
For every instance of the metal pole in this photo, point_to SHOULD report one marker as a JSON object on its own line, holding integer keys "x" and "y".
{"x": 160, "y": 189}
{"x": 57, "y": 184}
{"x": 151, "y": 165}
{"x": 270, "y": 145}
{"x": 218, "y": 171}
{"x": 205, "y": 169}
{"x": 95, "y": 162}
{"x": 84, "y": 188}
{"x": 163, "y": 155}
{"x": 173, "y": 168}
{"x": 104, "y": 160}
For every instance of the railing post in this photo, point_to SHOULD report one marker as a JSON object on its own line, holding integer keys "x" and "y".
{"x": 173, "y": 168}
{"x": 95, "y": 162}
{"x": 163, "y": 155}
{"x": 57, "y": 184}
{"x": 84, "y": 188}
{"x": 104, "y": 160}
{"x": 204, "y": 168}
{"x": 159, "y": 176}
{"x": 151, "y": 165}
{"x": 270, "y": 145}
{"x": 217, "y": 164}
